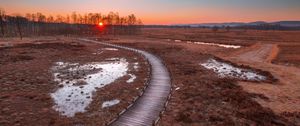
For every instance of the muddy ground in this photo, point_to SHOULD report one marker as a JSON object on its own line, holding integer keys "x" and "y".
{"x": 26, "y": 82}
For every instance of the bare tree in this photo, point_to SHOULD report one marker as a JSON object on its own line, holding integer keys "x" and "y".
{"x": 40, "y": 24}
{"x": 97, "y": 17}
{"x": 110, "y": 18}
{"x": 19, "y": 20}
{"x": 2, "y": 17}
{"x": 74, "y": 17}
{"x": 50, "y": 19}
{"x": 59, "y": 19}
{"x": 132, "y": 19}
{"x": 41, "y": 17}
{"x": 68, "y": 20}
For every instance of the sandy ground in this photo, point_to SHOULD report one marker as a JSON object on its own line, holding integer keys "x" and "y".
{"x": 257, "y": 54}
{"x": 26, "y": 82}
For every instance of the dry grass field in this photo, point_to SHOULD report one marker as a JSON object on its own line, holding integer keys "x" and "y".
{"x": 206, "y": 99}
{"x": 200, "y": 96}
{"x": 27, "y": 81}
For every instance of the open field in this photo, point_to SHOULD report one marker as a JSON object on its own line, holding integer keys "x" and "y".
{"x": 288, "y": 41}
{"x": 277, "y": 100}
{"x": 224, "y": 78}
{"x": 233, "y": 36}
{"x": 288, "y": 55}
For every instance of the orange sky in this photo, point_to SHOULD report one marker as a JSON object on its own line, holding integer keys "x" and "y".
{"x": 167, "y": 11}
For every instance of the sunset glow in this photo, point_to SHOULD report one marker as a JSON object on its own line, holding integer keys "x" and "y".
{"x": 165, "y": 11}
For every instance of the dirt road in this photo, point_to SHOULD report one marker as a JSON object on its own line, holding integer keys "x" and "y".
{"x": 283, "y": 96}
{"x": 258, "y": 53}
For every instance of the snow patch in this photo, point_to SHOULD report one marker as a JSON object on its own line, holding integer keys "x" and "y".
{"x": 76, "y": 92}
{"x": 111, "y": 49}
{"x": 136, "y": 66}
{"x": 110, "y": 103}
{"x": 98, "y": 53}
{"x": 131, "y": 79}
{"x": 226, "y": 70}
{"x": 220, "y": 45}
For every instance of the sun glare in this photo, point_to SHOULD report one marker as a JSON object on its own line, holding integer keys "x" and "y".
{"x": 100, "y": 24}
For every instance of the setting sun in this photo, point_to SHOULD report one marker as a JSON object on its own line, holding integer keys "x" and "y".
{"x": 100, "y": 24}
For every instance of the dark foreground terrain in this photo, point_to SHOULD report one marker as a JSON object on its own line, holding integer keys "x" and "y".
{"x": 26, "y": 82}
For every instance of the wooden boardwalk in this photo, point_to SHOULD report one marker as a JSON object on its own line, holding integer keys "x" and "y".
{"x": 147, "y": 108}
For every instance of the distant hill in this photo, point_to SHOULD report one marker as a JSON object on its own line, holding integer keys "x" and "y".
{"x": 288, "y": 23}
{"x": 256, "y": 23}
{"x": 231, "y": 24}
{"x": 240, "y": 24}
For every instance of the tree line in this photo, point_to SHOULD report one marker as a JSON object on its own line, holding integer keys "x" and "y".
{"x": 38, "y": 24}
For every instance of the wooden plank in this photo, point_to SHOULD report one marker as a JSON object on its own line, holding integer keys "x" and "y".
{"x": 147, "y": 108}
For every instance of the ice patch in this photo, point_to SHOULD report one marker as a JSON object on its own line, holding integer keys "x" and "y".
{"x": 212, "y": 44}
{"x": 131, "y": 79}
{"x": 111, "y": 49}
{"x": 112, "y": 59}
{"x": 73, "y": 98}
{"x": 226, "y": 70}
{"x": 220, "y": 45}
{"x": 189, "y": 42}
{"x": 98, "y": 53}
{"x": 110, "y": 103}
{"x": 62, "y": 65}
{"x": 136, "y": 66}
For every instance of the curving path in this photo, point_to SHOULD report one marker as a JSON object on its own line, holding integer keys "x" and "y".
{"x": 258, "y": 54}
{"x": 147, "y": 108}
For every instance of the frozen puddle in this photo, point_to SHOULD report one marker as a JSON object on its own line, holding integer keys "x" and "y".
{"x": 212, "y": 44}
{"x": 220, "y": 45}
{"x": 100, "y": 51}
{"x": 131, "y": 79}
{"x": 227, "y": 70}
{"x": 136, "y": 66}
{"x": 111, "y": 49}
{"x": 110, "y": 103}
{"x": 76, "y": 91}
